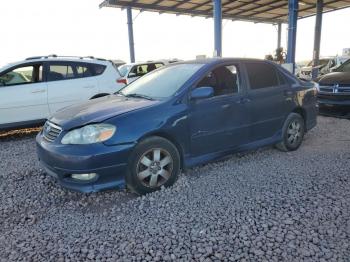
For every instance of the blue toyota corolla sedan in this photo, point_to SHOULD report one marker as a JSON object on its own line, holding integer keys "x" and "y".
{"x": 178, "y": 116}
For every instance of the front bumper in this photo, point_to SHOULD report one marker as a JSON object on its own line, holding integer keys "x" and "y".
{"x": 108, "y": 162}
{"x": 330, "y": 99}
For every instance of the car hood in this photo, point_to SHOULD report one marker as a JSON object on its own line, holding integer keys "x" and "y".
{"x": 341, "y": 78}
{"x": 97, "y": 110}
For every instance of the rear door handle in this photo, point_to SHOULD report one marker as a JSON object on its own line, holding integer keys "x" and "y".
{"x": 243, "y": 100}
{"x": 225, "y": 106}
{"x": 90, "y": 86}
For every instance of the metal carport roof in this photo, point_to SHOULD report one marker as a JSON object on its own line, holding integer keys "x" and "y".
{"x": 261, "y": 11}
{"x": 265, "y": 11}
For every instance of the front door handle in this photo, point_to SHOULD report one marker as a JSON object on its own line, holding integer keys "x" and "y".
{"x": 38, "y": 91}
{"x": 288, "y": 93}
{"x": 90, "y": 86}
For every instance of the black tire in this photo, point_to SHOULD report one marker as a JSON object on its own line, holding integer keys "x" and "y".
{"x": 146, "y": 165}
{"x": 294, "y": 127}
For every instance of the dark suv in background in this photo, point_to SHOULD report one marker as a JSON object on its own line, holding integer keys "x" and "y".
{"x": 334, "y": 89}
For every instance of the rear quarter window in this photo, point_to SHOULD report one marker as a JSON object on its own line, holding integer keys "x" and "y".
{"x": 98, "y": 69}
{"x": 83, "y": 70}
{"x": 281, "y": 78}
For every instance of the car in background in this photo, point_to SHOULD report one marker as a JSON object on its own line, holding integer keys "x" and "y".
{"x": 326, "y": 65}
{"x": 37, "y": 87}
{"x": 299, "y": 65}
{"x": 171, "y": 61}
{"x": 173, "y": 118}
{"x": 130, "y": 72}
{"x": 334, "y": 88}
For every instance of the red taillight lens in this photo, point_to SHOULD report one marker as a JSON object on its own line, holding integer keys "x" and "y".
{"x": 122, "y": 81}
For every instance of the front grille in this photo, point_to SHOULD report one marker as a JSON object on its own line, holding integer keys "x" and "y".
{"x": 326, "y": 89}
{"x": 51, "y": 131}
{"x": 341, "y": 89}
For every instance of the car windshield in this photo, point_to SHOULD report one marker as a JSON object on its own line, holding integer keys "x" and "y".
{"x": 123, "y": 70}
{"x": 161, "y": 83}
{"x": 345, "y": 67}
{"x": 342, "y": 60}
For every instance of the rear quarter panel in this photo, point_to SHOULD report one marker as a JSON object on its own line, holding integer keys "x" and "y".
{"x": 306, "y": 98}
{"x": 107, "y": 82}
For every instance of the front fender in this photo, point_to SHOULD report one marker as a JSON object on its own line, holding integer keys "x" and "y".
{"x": 164, "y": 119}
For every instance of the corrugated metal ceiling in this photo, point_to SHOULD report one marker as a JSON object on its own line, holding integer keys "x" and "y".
{"x": 265, "y": 11}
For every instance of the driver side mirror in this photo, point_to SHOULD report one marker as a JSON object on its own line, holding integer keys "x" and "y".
{"x": 132, "y": 75}
{"x": 202, "y": 93}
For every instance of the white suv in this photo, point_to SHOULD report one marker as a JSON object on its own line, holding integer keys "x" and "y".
{"x": 33, "y": 89}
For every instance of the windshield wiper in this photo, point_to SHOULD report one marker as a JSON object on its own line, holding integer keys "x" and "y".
{"x": 119, "y": 93}
{"x": 140, "y": 96}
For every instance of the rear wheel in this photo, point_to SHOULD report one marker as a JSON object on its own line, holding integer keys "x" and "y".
{"x": 154, "y": 163}
{"x": 293, "y": 133}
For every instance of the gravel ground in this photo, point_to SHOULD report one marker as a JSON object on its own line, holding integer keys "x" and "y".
{"x": 259, "y": 206}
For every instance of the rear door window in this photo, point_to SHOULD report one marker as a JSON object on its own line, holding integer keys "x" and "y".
{"x": 261, "y": 75}
{"x": 73, "y": 70}
{"x": 58, "y": 72}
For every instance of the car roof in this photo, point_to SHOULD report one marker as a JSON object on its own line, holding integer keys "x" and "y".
{"x": 57, "y": 59}
{"x": 143, "y": 63}
{"x": 218, "y": 60}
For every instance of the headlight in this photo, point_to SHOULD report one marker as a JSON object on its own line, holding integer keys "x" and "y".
{"x": 89, "y": 134}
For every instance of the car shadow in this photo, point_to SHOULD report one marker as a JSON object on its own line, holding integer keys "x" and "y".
{"x": 339, "y": 112}
{"x": 19, "y": 133}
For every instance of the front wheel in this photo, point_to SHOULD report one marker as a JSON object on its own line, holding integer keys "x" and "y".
{"x": 292, "y": 133}
{"x": 154, "y": 163}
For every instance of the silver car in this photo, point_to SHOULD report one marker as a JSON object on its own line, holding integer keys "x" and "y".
{"x": 130, "y": 72}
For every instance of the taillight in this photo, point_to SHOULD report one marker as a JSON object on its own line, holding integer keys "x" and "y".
{"x": 122, "y": 81}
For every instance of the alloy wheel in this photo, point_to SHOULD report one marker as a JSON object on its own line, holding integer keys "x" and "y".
{"x": 294, "y": 132}
{"x": 154, "y": 168}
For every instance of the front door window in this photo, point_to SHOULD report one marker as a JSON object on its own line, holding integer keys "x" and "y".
{"x": 22, "y": 75}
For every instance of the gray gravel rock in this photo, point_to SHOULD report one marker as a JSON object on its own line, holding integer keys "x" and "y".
{"x": 258, "y": 206}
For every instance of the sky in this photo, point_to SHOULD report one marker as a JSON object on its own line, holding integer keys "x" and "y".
{"x": 81, "y": 28}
